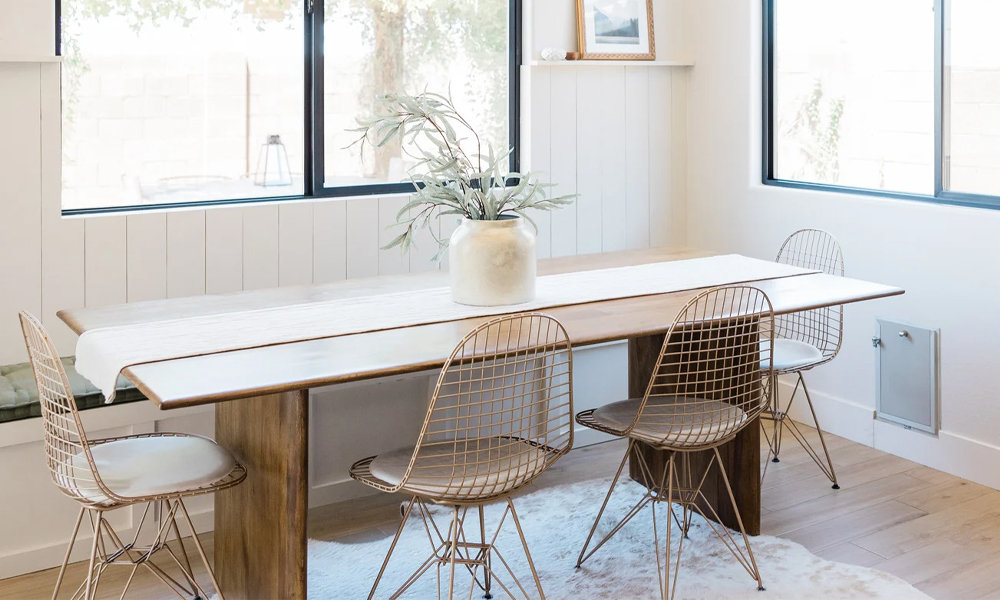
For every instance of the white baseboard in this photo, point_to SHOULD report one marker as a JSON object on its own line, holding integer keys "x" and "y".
{"x": 949, "y": 452}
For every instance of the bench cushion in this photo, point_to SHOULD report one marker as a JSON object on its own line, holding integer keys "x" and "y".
{"x": 19, "y": 397}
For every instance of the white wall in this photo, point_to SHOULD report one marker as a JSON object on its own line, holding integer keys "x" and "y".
{"x": 615, "y": 135}
{"x": 945, "y": 257}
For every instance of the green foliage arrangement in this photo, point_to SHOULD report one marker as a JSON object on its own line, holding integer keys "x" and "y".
{"x": 447, "y": 180}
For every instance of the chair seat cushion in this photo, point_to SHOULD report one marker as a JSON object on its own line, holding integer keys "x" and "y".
{"x": 789, "y": 355}
{"x": 158, "y": 465}
{"x": 673, "y": 421}
{"x": 463, "y": 469}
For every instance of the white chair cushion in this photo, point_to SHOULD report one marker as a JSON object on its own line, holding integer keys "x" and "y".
{"x": 153, "y": 466}
{"x": 669, "y": 420}
{"x": 789, "y": 355}
{"x": 484, "y": 467}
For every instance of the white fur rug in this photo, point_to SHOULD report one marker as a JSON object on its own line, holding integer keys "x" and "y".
{"x": 556, "y": 522}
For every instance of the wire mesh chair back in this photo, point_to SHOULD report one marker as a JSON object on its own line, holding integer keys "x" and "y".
{"x": 501, "y": 413}
{"x": 821, "y": 328}
{"x": 67, "y": 451}
{"x": 708, "y": 382}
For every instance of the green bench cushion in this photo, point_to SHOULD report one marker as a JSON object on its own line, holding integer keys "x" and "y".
{"x": 19, "y": 396}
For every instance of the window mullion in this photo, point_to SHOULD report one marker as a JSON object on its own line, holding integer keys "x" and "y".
{"x": 940, "y": 124}
{"x": 314, "y": 110}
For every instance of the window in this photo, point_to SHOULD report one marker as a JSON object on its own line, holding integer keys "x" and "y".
{"x": 181, "y": 102}
{"x": 888, "y": 97}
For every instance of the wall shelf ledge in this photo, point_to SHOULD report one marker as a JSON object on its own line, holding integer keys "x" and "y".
{"x": 611, "y": 63}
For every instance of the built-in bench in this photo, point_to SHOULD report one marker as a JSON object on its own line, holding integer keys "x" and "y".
{"x": 19, "y": 396}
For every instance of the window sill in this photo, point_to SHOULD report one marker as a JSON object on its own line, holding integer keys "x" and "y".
{"x": 945, "y": 197}
{"x": 236, "y": 202}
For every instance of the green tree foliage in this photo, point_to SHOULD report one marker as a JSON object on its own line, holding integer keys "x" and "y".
{"x": 816, "y": 131}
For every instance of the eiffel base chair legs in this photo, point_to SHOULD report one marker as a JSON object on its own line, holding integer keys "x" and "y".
{"x": 109, "y": 550}
{"x": 452, "y": 551}
{"x": 778, "y": 421}
{"x": 664, "y": 491}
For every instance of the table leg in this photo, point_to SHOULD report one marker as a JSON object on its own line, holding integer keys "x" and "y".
{"x": 741, "y": 456}
{"x": 260, "y": 525}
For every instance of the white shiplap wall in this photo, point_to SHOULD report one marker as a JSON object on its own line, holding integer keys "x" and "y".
{"x": 605, "y": 133}
{"x": 616, "y": 135}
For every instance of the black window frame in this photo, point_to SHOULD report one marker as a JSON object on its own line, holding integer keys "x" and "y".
{"x": 940, "y": 196}
{"x": 313, "y": 161}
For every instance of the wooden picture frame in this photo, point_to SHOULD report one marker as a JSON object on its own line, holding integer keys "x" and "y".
{"x": 615, "y": 29}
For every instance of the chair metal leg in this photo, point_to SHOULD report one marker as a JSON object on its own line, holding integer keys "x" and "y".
{"x": 201, "y": 550}
{"x": 91, "y": 590}
{"x": 487, "y": 576}
{"x": 186, "y": 567}
{"x": 819, "y": 431}
{"x": 69, "y": 550}
{"x": 453, "y": 550}
{"x": 395, "y": 540}
{"x": 583, "y": 552}
{"x": 527, "y": 553}
{"x": 453, "y": 553}
{"x": 739, "y": 519}
{"x": 783, "y": 422}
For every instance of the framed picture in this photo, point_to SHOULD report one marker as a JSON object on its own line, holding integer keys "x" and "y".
{"x": 615, "y": 29}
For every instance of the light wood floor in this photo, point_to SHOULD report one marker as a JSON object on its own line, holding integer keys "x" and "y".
{"x": 937, "y": 531}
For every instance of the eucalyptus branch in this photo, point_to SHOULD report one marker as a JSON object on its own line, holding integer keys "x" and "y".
{"x": 449, "y": 181}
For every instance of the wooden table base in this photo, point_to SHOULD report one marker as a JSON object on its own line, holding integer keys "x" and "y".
{"x": 741, "y": 457}
{"x": 260, "y": 525}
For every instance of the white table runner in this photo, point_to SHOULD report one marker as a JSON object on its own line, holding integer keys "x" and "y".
{"x": 101, "y": 354}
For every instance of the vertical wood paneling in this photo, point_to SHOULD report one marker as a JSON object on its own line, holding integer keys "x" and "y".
{"x": 637, "y": 166}
{"x": 537, "y": 145}
{"x": 362, "y": 238}
{"x": 146, "y": 256}
{"x": 104, "y": 264}
{"x": 660, "y": 156}
{"x": 20, "y": 200}
{"x": 590, "y": 124}
{"x": 677, "y": 140}
{"x": 62, "y": 239}
{"x": 563, "y": 91}
{"x": 185, "y": 253}
{"x": 613, "y": 164}
{"x": 260, "y": 247}
{"x": 223, "y": 250}
{"x": 329, "y": 241}
{"x": 392, "y": 261}
{"x": 295, "y": 244}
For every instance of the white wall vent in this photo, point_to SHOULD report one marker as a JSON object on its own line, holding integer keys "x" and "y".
{"x": 907, "y": 367}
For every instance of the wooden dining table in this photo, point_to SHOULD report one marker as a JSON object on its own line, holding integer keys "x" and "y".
{"x": 261, "y": 394}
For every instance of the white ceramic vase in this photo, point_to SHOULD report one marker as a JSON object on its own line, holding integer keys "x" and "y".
{"x": 492, "y": 263}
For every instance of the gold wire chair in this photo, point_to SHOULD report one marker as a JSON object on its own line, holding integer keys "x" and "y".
{"x": 155, "y": 469}
{"x": 709, "y": 383}
{"x": 804, "y": 340}
{"x": 500, "y": 415}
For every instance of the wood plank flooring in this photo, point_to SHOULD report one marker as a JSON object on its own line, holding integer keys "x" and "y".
{"x": 937, "y": 531}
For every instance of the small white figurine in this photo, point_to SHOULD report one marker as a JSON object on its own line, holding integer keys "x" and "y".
{"x": 553, "y": 54}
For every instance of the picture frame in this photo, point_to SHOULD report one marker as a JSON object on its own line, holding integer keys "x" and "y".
{"x": 615, "y": 29}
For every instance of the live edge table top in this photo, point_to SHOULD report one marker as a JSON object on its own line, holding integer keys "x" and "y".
{"x": 315, "y": 363}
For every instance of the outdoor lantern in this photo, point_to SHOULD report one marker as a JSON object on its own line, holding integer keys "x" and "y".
{"x": 272, "y": 164}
